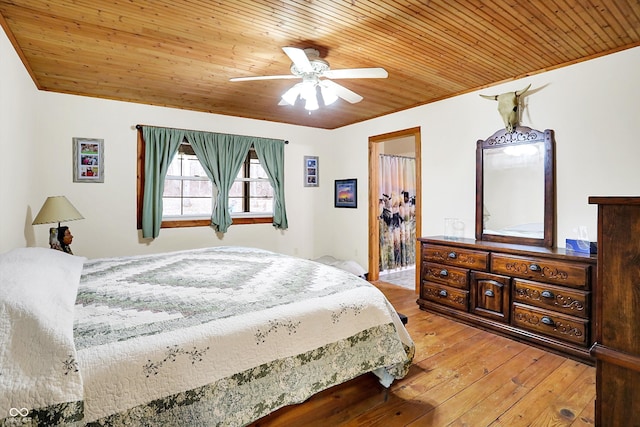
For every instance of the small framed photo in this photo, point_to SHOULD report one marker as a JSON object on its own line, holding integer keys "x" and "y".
{"x": 346, "y": 193}
{"x": 88, "y": 160}
{"x": 311, "y": 171}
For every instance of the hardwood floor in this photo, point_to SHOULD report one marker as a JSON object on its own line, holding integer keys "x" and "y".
{"x": 461, "y": 377}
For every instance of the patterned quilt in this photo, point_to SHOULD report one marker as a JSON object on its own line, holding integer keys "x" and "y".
{"x": 223, "y": 336}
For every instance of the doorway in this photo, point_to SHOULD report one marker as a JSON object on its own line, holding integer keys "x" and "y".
{"x": 380, "y": 144}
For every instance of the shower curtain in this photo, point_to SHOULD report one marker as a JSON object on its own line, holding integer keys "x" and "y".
{"x": 397, "y": 212}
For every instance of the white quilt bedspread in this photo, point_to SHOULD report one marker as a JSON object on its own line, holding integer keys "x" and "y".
{"x": 223, "y": 336}
{"x": 217, "y": 337}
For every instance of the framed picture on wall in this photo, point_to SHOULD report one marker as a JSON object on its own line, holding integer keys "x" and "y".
{"x": 346, "y": 193}
{"x": 88, "y": 160}
{"x": 311, "y": 171}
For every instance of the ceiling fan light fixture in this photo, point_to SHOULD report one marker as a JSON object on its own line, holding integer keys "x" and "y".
{"x": 307, "y": 64}
{"x": 328, "y": 95}
{"x": 311, "y": 104}
{"x": 291, "y": 94}
{"x": 308, "y": 89}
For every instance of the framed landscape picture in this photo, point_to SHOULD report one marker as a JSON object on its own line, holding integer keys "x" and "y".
{"x": 346, "y": 193}
{"x": 88, "y": 160}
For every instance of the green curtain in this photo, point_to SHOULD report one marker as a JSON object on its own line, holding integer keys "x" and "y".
{"x": 221, "y": 156}
{"x": 160, "y": 145}
{"x": 271, "y": 155}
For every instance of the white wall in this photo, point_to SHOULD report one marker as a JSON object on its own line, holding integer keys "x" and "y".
{"x": 591, "y": 106}
{"x": 18, "y": 169}
{"x": 109, "y": 227}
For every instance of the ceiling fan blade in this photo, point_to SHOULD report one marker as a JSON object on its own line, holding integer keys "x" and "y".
{"x": 357, "y": 73}
{"x": 342, "y": 92}
{"x": 299, "y": 58}
{"x": 244, "y": 79}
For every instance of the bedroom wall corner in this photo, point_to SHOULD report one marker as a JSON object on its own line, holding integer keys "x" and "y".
{"x": 19, "y": 172}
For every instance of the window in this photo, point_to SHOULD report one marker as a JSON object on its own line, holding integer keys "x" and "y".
{"x": 188, "y": 193}
{"x": 190, "y": 198}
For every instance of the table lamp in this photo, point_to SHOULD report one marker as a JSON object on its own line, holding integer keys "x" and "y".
{"x": 57, "y": 209}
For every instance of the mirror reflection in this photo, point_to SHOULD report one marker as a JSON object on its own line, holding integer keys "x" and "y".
{"x": 513, "y": 179}
{"x": 515, "y": 188}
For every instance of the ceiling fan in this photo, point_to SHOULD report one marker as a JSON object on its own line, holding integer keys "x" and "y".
{"x": 315, "y": 72}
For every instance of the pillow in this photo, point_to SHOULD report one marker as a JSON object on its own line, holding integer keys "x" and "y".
{"x": 350, "y": 266}
{"x": 38, "y": 362}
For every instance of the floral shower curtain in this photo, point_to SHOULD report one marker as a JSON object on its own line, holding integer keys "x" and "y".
{"x": 397, "y": 212}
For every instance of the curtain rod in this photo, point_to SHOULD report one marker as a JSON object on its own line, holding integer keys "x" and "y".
{"x": 140, "y": 127}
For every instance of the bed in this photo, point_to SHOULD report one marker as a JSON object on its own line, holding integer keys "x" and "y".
{"x": 215, "y": 336}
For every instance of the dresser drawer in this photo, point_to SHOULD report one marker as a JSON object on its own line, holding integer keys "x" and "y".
{"x": 466, "y": 258}
{"x": 566, "y": 328}
{"x": 445, "y": 295}
{"x": 490, "y": 296}
{"x": 563, "y": 300}
{"x": 542, "y": 270}
{"x": 446, "y": 274}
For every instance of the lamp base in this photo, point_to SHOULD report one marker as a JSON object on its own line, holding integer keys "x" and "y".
{"x": 54, "y": 242}
{"x": 53, "y": 238}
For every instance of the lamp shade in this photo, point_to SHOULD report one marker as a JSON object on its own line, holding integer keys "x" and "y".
{"x": 56, "y": 209}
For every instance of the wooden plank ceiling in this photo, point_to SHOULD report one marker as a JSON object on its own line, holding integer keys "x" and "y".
{"x": 181, "y": 53}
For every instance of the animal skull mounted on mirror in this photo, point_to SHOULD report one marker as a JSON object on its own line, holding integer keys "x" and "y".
{"x": 508, "y": 104}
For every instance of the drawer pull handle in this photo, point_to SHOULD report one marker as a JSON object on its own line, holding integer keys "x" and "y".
{"x": 442, "y": 293}
{"x": 535, "y": 267}
{"x": 444, "y": 273}
{"x": 452, "y": 255}
{"x": 488, "y": 293}
{"x": 547, "y": 294}
{"x": 548, "y": 321}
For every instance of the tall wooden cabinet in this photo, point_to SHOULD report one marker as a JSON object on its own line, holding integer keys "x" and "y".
{"x": 539, "y": 295}
{"x": 617, "y": 348}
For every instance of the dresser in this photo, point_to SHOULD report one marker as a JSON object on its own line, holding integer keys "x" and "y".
{"x": 534, "y": 294}
{"x": 617, "y": 334}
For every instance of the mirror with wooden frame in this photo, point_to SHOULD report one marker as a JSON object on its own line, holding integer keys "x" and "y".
{"x": 515, "y": 187}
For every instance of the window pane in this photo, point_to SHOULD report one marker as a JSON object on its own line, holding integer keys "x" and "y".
{"x": 196, "y": 206}
{"x": 175, "y": 167}
{"x": 193, "y": 167}
{"x": 261, "y": 205}
{"x": 236, "y": 190}
{"x": 171, "y": 188}
{"x": 256, "y": 170}
{"x": 170, "y": 206}
{"x": 187, "y": 196}
{"x": 197, "y": 188}
{"x": 235, "y": 204}
{"x": 261, "y": 189}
